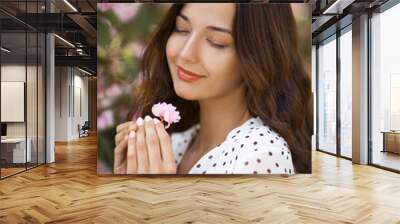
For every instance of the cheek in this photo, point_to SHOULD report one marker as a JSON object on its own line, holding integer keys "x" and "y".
{"x": 223, "y": 69}
{"x": 171, "y": 50}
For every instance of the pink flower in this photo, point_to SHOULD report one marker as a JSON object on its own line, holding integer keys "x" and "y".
{"x": 105, "y": 120}
{"x": 166, "y": 112}
{"x": 125, "y": 11}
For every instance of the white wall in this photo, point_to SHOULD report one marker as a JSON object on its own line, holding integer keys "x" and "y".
{"x": 33, "y": 127}
{"x": 13, "y": 73}
{"x": 71, "y": 93}
{"x": 61, "y": 103}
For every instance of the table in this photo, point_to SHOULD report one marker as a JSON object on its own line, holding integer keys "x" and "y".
{"x": 16, "y": 147}
{"x": 391, "y": 141}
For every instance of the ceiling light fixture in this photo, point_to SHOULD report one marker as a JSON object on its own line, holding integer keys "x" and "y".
{"x": 70, "y": 5}
{"x": 86, "y": 72}
{"x": 64, "y": 40}
{"x": 337, "y": 7}
{"x": 5, "y": 49}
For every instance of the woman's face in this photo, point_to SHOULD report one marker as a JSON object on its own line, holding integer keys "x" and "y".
{"x": 201, "y": 54}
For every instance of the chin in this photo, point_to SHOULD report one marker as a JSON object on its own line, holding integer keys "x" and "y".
{"x": 186, "y": 92}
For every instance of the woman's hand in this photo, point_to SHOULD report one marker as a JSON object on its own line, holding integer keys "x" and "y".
{"x": 121, "y": 142}
{"x": 148, "y": 150}
{"x": 123, "y": 130}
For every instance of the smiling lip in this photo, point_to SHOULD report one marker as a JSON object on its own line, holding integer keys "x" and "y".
{"x": 188, "y": 76}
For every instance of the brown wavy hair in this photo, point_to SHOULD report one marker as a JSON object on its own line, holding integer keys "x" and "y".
{"x": 277, "y": 85}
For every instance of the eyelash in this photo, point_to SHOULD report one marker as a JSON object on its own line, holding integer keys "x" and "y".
{"x": 179, "y": 31}
{"x": 218, "y": 46}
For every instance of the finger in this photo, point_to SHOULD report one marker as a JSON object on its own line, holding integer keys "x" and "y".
{"x": 131, "y": 157}
{"x": 153, "y": 146}
{"x": 120, "y": 157}
{"x": 119, "y": 136}
{"x": 167, "y": 154}
{"x": 141, "y": 150}
{"x": 125, "y": 125}
{"x": 124, "y": 132}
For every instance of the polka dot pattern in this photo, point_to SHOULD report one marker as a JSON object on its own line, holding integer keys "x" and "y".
{"x": 252, "y": 148}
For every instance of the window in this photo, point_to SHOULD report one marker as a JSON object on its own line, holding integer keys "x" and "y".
{"x": 22, "y": 66}
{"x": 327, "y": 96}
{"x": 346, "y": 92}
{"x": 385, "y": 88}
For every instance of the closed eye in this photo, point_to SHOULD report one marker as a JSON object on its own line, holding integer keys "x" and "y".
{"x": 219, "y": 46}
{"x": 179, "y": 30}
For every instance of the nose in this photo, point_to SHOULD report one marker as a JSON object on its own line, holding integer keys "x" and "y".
{"x": 190, "y": 49}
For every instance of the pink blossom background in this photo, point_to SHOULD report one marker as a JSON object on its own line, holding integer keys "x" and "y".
{"x": 123, "y": 31}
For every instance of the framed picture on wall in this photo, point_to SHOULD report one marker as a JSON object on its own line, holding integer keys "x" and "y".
{"x": 184, "y": 93}
{"x": 12, "y": 101}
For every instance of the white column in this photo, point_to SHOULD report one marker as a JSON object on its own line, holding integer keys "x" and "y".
{"x": 50, "y": 93}
{"x": 360, "y": 90}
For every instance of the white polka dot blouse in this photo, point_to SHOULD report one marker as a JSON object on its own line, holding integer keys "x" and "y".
{"x": 252, "y": 148}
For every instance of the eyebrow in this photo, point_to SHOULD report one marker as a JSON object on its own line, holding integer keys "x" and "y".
{"x": 214, "y": 28}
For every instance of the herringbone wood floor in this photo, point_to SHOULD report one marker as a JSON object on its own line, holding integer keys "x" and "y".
{"x": 70, "y": 192}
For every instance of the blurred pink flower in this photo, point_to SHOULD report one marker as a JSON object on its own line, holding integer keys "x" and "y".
{"x": 114, "y": 31}
{"x": 100, "y": 87}
{"x": 125, "y": 11}
{"x": 137, "y": 48}
{"x": 105, "y": 120}
{"x": 113, "y": 91}
{"x": 166, "y": 112}
{"x": 105, "y": 6}
{"x": 104, "y": 102}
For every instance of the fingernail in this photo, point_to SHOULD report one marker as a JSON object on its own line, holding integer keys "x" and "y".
{"x": 147, "y": 118}
{"x": 156, "y": 121}
{"x": 131, "y": 134}
{"x": 139, "y": 121}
